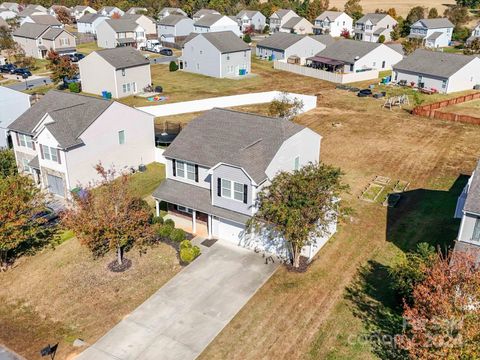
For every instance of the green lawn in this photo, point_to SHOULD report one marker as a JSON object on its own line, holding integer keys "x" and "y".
{"x": 87, "y": 48}
{"x": 144, "y": 183}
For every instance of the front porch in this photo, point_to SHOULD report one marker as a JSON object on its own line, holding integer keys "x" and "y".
{"x": 326, "y": 64}
{"x": 192, "y": 221}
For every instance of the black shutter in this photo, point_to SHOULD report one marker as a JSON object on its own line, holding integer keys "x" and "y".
{"x": 174, "y": 167}
{"x": 196, "y": 173}
{"x": 245, "y": 193}
{"x": 219, "y": 187}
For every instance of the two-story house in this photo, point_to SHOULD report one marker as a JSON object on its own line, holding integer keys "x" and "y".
{"x": 333, "y": 23}
{"x": 122, "y": 71}
{"x": 43, "y": 19}
{"x": 146, "y": 22}
{"x": 371, "y": 26}
{"x": 215, "y": 23}
{"x": 468, "y": 209}
{"x": 111, "y": 11}
{"x": 220, "y": 162}
{"x": 88, "y": 23}
{"x": 251, "y": 19}
{"x": 167, "y": 11}
{"x": 475, "y": 34}
{"x": 112, "y": 33}
{"x": 172, "y": 27}
{"x": 12, "y": 104}
{"x": 202, "y": 12}
{"x": 135, "y": 10}
{"x": 7, "y": 14}
{"x": 218, "y": 54}
{"x": 81, "y": 10}
{"x": 434, "y": 33}
{"x": 36, "y": 40}
{"x": 279, "y": 18}
{"x": 297, "y": 25}
{"x": 60, "y": 139}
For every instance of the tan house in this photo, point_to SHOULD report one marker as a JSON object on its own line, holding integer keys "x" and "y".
{"x": 144, "y": 21}
{"x": 43, "y": 19}
{"x": 297, "y": 25}
{"x": 36, "y": 40}
{"x": 122, "y": 71}
{"x": 112, "y": 33}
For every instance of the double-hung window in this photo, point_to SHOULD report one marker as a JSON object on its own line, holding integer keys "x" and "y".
{"x": 121, "y": 137}
{"x": 190, "y": 171}
{"x": 180, "y": 167}
{"x": 49, "y": 153}
{"x": 26, "y": 141}
{"x": 238, "y": 191}
{"x": 476, "y": 231}
{"x": 226, "y": 188}
{"x": 232, "y": 190}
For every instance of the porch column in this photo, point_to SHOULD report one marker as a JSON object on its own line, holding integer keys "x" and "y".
{"x": 157, "y": 207}
{"x": 194, "y": 221}
{"x": 209, "y": 226}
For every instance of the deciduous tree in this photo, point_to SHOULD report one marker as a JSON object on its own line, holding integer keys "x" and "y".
{"x": 354, "y": 9}
{"x": 458, "y": 15}
{"x": 285, "y": 107}
{"x": 8, "y": 165}
{"x": 299, "y": 206}
{"x": 60, "y": 66}
{"x": 63, "y": 15}
{"x": 433, "y": 13}
{"x": 410, "y": 45}
{"x": 345, "y": 34}
{"x": 473, "y": 48}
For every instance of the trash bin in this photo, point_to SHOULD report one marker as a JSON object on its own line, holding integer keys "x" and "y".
{"x": 109, "y": 95}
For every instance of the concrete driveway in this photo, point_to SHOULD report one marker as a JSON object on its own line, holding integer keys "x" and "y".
{"x": 187, "y": 313}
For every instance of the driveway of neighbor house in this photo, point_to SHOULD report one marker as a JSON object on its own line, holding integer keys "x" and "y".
{"x": 187, "y": 313}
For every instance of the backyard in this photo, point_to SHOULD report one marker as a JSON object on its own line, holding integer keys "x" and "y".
{"x": 471, "y": 108}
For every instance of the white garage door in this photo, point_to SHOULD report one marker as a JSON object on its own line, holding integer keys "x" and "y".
{"x": 228, "y": 230}
{"x": 55, "y": 185}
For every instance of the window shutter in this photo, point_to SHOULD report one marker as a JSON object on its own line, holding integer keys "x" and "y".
{"x": 196, "y": 173}
{"x": 174, "y": 167}
{"x": 245, "y": 193}
{"x": 18, "y": 139}
{"x": 58, "y": 156}
{"x": 219, "y": 187}
{"x": 41, "y": 151}
{"x": 33, "y": 145}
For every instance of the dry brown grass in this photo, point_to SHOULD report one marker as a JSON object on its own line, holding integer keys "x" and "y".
{"x": 402, "y": 6}
{"x": 471, "y": 108}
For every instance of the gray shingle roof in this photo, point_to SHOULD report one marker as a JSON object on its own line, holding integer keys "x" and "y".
{"x": 30, "y": 30}
{"x": 435, "y": 35}
{"x": 122, "y": 25}
{"x": 72, "y": 115}
{"x": 171, "y": 20}
{"x": 45, "y": 20}
{"x": 123, "y": 57}
{"x": 397, "y": 47}
{"x": 281, "y": 12}
{"x": 437, "y": 23}
{"x": 472, "y": 204}
{"x": 79, "y": 8}
{"x": 194, "y": 197}
{"x": 250, "y": 13}
{"x": 224, "y": 41}
{"x": 347, "y": 50}
{"x": 89, "y": 18}
{"x": 280, "y": 41}
{"x": 172, "y": 11}
{"x": 27, "y": 12}
{"x": 373, "y": 17}
{"x": 246, "y": 140}
{"x": 52, "y": 33}
{"x": 324, "y": 39}
{"x": 434, "y": 63}
{"x": 202, "y": 12}
{"x": 290, "y": 24}
{"x": 208, "y": 20}
{"x": 332, "y": 15}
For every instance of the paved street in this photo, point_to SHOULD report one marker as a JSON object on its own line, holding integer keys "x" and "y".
{"x": 187, "y": 313}
{"x": 6, "y": 354}
{"x": 162, "y": 59}
{"x": 31, "y": 83}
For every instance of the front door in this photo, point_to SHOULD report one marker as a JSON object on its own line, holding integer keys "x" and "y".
{"x": 55, "y": 185}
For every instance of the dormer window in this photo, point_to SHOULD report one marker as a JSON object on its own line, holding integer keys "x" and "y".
{"x": 232, "y": 190}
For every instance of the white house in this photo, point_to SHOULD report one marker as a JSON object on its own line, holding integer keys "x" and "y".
{"x": 371, "y": 26}
{"x": 110, "y": 11}
{"x": 120, "y": 32}
{"x": 475, "y": 34}
{"x": 122, "y": 71}
{"x": 202, "y": 12}
{"x": 218, "y": 54}
{"x": 333, "y": 23}
{"x": 352, "y": 56}
{"x": 171, "y": 27}
{"x": 214, "y": 23}
{"x": 60, "y": 139}
{"x": 12, "y": 104}
{"x": 434, "y": 33}
{"x": 279, "y": 18}
{"x": 251, "y": 18}
{"x": 440, "y": 71}
{"x": 297, "y": 25}
{"x": 136, "y": 10}
{"x": 220, "y": 162}
{"x": 167, "y": 11}
{"x": 11, "y": 6}
{"x": 88, "y": 23}
{"x": 7, "y": 14}
{"x": 81, "y": 10}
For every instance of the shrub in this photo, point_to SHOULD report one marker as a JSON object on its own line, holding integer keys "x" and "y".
{"x": 381, "y": 39}
{"x": 169, "y": 222}
{"x": 188, "y": 252}
{"x": 266, "y": 29}
{"x": 157, "y": 220}
{"x": 185, "y": 244}
{"x": 74, "y": 87}
{"x": 178, "y": 235}
{"x": 164, "y": 231}
{"x": 173, "y": 66}
{"x": 247, "y": 38}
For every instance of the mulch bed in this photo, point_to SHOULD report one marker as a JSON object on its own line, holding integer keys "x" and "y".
{"x": 115, "y": 267}
{"x": 302, "y": 267}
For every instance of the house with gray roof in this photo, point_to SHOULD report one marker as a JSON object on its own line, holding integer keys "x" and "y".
{"x": 13, "y": 6}
{"x": 12, "y": 104}
{"x": 29, "y": 11}
{"x": 218, "y": 54}
{"x": 433, "y": 33}
{"x": 81, "y": 10}
{"x": 202, "y": 12}
{"x": 112, "y": 33}
{"x": 333, "y": 23}
{"x": 88, "y": 23}
{"x": 474, "y": 35}
{"x": 468, "y": 210}
{"x": 146, "y": 22}
{"x": 251, "y": 18}
{"x": 44, "y": 19}
{"x": 111, "y": 11}
{"x": 279, "y": 18}
{"x": 167, "y": 11}
{"x": 352, "y": 56}
{"x": 36, "y": 40}
{"x": 297, "y": 25}
{"x": 214, "y": 23}
{"x": 438, "y": 71}
{"x": 7, "y": 14}
{"x": 136, "y": 11}
{"x": 371, "y": 26}
{"x": 172, "y": 28}
{"x": 122, "y": 71}
{"x": 59, "y": 140}
{"x": 280, "y": 45}
{"x": 218, "y": 164}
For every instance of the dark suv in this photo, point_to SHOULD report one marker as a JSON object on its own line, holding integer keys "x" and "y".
{"x": 23, "y": 72}
{"x": 8, "y": 68}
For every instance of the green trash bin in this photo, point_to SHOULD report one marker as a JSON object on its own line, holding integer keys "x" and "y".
{"x": 109, "y": 95}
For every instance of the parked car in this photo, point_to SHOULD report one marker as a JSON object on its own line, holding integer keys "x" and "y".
{"x": 78, "y": 56}
{"x": 73, "y": 79}
{"x": 364, "y": 93}
{"x": 23, "y": 72}
{"x": 48, "y": 215}
{"x": 8, "y": 68}
{"x": 166, "y": 52}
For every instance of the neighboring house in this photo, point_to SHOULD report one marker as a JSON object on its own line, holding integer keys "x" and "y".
{"x": 12, "y": 104}
{"x": 146, "y": 22}
{"x": 61, "y": 138}
{"x": 434, "y": 33}
{"x": 475, "y": 34}
{"x": 248, "y": 18}
{"x": 13, "y": 6}
{"x": 214, "y": 23}
{"x": 52, "y": 10}
{"x": 351, "y": 56}
{"x": 7, "y": 14}
{"x": 171, "y": 27}
{"x": 37, "y": 7}
{"x": 281, "y": 45}
{"x": 333, "y": 23}
{"x": 120, "y": 32}
{"x": 136, "y": 10}
{"x": 28, "y": 12}
{"x": 36, "y": 40}
{"x": 219, "y": 163}
{"x": 3, "y": 23}
{"x": 167, "y": 11}
{"x": 44, "y": 19}
{"x": 297, "y": 25}
{"x": 88, "y": 23}
{"x": 202, "y": 12}
{"x": 110, "y": 11}
{"x": 468, "y": 209}
{"x": 218, "y": 54}
{"x": 279, "y": 18}
{"x": 443, "y": 72}
{"x": 122, "y": 71}
{"x": 371, "y": 26}
{"x": 79, "y": 11}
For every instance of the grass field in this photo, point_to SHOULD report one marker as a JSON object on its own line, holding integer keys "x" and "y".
{"x": 402, "y": 6}
{"x": 471, "y": 108}
{"x": 87, "y": 48}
